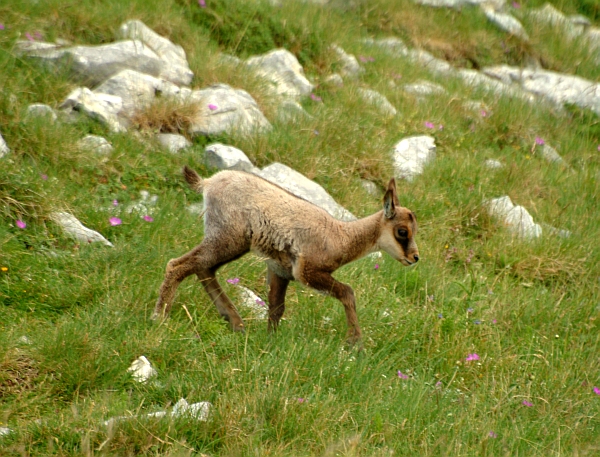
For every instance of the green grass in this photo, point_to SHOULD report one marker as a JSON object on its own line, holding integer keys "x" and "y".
{"x": 529, "y": 309}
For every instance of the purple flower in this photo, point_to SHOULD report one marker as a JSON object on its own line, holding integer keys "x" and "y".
{"x": 301, "y": 400}
{"x": 115, "y": 221}
{"x": 376, "y": 266}
{"x": 115, "y": 202}
{"x": 439, "y": 384}
{"x": 233, "y": 280}
{"x": 21, "y": 224}
{"x": 212, "y": 107}
{"x": 526, "y": 403}
{"x": 471, "y": 357}
{"x": 29, "y": 37}
{"x": 37, "y": 35}
{"x": 260, "y": 302}
{"x": 366, "y": 59}
{"x": 402, "y": 375}
{"x": 539, "y": 141}
{"x": 494, "y": 321}
{"x": 484, "y": 113}
{"x": 316, "y": 98}
{"x": 441, "y": 127}
{"x": 1, "y": 26}
{"x": 429, "y": 125}
{"x": 202, "y": 3}
{"x": 516, "y": 5}
{"x": 492, "y": 435}
{"x": 596, "y": 390}
{"x": 599, "y": 147}
{"x": 44, "y": 176}
{"x": 148, "y": 218}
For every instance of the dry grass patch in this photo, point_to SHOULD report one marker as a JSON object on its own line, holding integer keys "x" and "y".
{"x": 165, "y": 116}
{"x": 17, "y": 373}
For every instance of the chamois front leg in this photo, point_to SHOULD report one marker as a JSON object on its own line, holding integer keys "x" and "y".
{"x": 277, "y": 290}
{"x": 324, "y": 282}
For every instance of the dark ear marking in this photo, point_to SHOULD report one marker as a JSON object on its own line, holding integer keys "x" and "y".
{"x": 389, "y": 207}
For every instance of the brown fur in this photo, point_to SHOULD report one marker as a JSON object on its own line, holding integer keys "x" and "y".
{"x": 301, "y": 242}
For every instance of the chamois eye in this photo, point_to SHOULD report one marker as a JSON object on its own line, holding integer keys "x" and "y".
{"x": 402, "y": 233}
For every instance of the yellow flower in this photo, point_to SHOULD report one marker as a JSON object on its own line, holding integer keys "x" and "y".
{"x": 4, "y": 268}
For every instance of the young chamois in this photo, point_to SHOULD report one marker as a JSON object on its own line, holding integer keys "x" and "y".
{"x": 301, "y": 241}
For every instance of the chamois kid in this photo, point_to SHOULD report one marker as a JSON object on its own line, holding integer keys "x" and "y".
{"x": 300, "y": 241}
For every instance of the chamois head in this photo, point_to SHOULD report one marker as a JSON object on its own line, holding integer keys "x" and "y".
{"x": 398, "y": 229}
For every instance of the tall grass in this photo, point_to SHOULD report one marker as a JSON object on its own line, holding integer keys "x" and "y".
{"x": 529, "y": 309}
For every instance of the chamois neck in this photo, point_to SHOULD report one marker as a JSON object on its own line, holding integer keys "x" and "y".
{"x": 362, "y": 235}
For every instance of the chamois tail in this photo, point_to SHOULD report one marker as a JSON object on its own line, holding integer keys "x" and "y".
{"x": 193, "y": 179}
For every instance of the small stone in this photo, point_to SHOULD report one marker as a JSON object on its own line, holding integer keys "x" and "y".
{"x": 39, "y": 110}
{"x": 173, "y": 142}
{"x": 95, "y": 143}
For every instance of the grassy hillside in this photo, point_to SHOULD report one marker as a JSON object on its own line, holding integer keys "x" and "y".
{"x": 529, "y": 309}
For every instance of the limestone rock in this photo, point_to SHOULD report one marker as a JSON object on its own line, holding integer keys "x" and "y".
{"x": 334, "y": 80}
{"x": 370, "y": 187}
{"x": 102, "y": 107}
{"x": 75, "y": 229}
{"x": 349, "y": 66}
{"x": 226, "y": 157}
{"x": 253, "y": 302}
{"x": 175, "y": 68}
{"x": 225, "y": 109}
{"x": 173, "y": 142}
{"x": 141, "y": 369}
{"x": 290, "y": 110}
{"x": 556, "y": 87}
{"x": 449, "y": 3}
{"x": 378, "y": 100}
{"x": 39, "y": 110}
{"x": 136, "y": 89}
{"x": 550, "y": 154}
{"x": 516, "y": 218}
{"x": 283, "y": 71}
{"x": 412, "y": 154}
{"x": 506, "y": 22}
{"x": 301, "y": 186}
{"x": 423, "y": 87}
{"x": 493, "y": 164}
{"x": 4, "y": 150}
{"x": 95, "y": 143}
{"x": 548, "y": 14}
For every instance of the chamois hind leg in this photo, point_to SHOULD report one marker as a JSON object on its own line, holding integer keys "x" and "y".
{"x": 324, "y": 282}
{"x": 277, "y": 290}
{"x": 203, "y": 261}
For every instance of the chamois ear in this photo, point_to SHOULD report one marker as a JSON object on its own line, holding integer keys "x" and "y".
{"x": 390, "y": 200}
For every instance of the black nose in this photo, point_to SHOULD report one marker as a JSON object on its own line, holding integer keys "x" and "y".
{"x": 416, "y": 257}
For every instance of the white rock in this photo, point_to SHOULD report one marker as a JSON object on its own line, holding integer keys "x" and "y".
{"x": 5, "y": 431}
{"x": 334, "y": 80}
{"x": 370, "y": 187}
{"x": 558, "y": 232}
{"x": 550, "y": 154}
{"x": 515, "y": 218}
{"x": 493, "y": 164}
{"x": 24, "y": 340}
{"x": 412, "y": 154}
{"x": 283, "y": 71}
{"x": 141, "y": 369}
{"x": 95, "y": 143}
{"x": 101, "y": 107}
{"x": 39, "y": 110}
{"x": 75, "y": 229}
{"x": 176, "y": 68}
{"x": 173, "y": 142}
{"x": 226, "y": 157}
{"x": 290, "y": 110}
{"x": 253, "y": 302}
{"x": 301, "y": 186}
{"x": 233, "y": 111}
{"x": 4, "y": 150}
{"x": 198, "y": 411}
{"x": 506, "y": 22}
{"x": 91, "y": 65}
{"x": 349, "y": 66}
{"x": 136, "y": 90}
{"x": 548, "y": 14}
{"x": 556, "y": 87}
{"x": 424, "y": 88}
{"x": 449, "y": 3}
{"x": 378, "y": 100}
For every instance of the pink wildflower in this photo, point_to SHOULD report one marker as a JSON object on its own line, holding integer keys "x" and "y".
{"x": 233, "y": 280}
{"x": 596, "y": 390}
{"x": 516, "y": 5}
{"x": 484, "y": 113}
{"x": 471, "y": 357}
{"x": 526, "y": 403}
{"x": 1, "y": 26}
{"x": 115, "y": 202}
{"x": 402, "y": 375}
{"x": 44, "y": 177}
{"x": 212, "y": 107}
{"x": 115, "y": 221}
{"x": 316, "y": 98}
{"x": 429, "y": 125}
{"x": 21, "y": 224}
{"x": 301, "y": 400}
{"x": 376, "y": 266}
{"x": 492, "y": 435}
{"x": 260, "y": 302}
{"x": 148, "y": 218}
{"x": 202, "y": 3}
{"x": 539, "y": 141}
